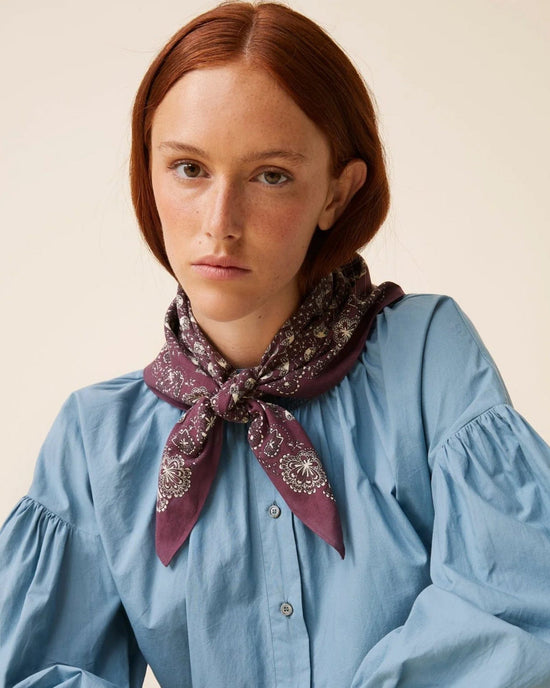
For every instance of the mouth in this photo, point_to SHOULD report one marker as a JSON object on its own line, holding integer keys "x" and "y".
{"x": 220, "y": 267}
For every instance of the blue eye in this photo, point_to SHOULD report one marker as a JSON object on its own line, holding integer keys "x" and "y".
{"x": 188, "y": 170}
{"x": 273, "y": 178}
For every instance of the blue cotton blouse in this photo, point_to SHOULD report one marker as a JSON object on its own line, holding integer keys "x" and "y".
{"x": 444, "y": 495}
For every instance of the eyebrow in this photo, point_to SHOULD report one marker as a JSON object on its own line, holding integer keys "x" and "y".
{"x": 254, "y": 156}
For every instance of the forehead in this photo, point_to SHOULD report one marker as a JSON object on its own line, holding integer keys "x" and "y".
{"x": 235, "y": 105}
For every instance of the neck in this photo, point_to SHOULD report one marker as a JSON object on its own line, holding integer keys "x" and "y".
{"x": 242, "y": 342}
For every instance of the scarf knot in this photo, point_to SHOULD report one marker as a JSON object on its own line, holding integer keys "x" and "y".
{"x": 231, "y": 400}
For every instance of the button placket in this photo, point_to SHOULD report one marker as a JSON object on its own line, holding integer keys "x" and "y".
{"x": 289, "y": 636}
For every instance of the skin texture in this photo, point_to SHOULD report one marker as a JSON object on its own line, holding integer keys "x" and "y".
{"x": 241, "y": 178}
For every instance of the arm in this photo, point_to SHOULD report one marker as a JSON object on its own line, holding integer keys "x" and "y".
{"x": 61, "y": 620}
{"x": 485, "y": 619}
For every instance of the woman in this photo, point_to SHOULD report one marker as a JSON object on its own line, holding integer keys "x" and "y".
{"x": 345, "y": 497}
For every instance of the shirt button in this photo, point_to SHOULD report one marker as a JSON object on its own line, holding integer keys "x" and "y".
{"x": 286, "y": 609}
{"x": 274, "y": 511}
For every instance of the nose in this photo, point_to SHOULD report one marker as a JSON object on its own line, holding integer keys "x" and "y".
{"x": 224, "y": 217}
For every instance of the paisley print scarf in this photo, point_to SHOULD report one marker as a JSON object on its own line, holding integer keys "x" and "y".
{"x": 311, "y": 353}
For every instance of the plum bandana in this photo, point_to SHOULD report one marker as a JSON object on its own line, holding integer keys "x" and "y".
{"x": 311, "y": 353}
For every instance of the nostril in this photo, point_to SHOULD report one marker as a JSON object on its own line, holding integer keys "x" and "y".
{"x": 221, "y": 233}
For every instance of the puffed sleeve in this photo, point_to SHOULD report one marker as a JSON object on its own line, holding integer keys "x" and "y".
{"x": 485, "y": 619}
{"x": 61, "y": 620}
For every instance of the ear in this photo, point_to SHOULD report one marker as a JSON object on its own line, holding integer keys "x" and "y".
{"x": 341, "y": 191}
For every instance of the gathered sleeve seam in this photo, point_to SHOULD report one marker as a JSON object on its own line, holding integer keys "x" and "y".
{"x": 27, "y": 502}
{"x": 491, "y": 411}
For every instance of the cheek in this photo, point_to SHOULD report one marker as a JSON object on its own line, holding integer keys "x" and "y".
{"x": 169, "y": 214}
{"x": 167, "y": 207}
{"x": 176, "y": 220}
{"x": 291, "y": 223}
{"x": 167, "y": 196}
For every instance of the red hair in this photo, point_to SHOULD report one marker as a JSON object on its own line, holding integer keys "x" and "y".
{"x": 320, "y": 79}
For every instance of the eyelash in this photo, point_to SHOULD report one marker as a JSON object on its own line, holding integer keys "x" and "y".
{"x": 184, "y": 163}
{"x": 287, "y": 178}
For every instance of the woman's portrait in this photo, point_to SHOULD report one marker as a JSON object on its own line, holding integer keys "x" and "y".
{"x": 275, "y": 345}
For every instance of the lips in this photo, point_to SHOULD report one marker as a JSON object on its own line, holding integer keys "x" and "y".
{"x": 221, "y": 262}
{"x": 220, "y": 268}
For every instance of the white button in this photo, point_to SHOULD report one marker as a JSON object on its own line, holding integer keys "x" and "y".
{"x": 274, "y": 511}
{"x": 286, "y": 609}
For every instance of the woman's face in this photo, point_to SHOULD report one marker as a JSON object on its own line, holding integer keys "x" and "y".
{"x": 241, "y": 178}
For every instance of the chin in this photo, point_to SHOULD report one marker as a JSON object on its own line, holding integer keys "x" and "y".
{"x": 219, "y": 310}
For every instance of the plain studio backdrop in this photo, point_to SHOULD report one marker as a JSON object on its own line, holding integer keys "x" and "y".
{"x": 463, "y": 94}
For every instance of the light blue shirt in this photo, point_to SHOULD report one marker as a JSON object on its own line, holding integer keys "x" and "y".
{"x": 444, "y": 495}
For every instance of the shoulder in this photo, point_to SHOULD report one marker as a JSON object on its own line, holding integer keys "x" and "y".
{"x": 428, "y": 352}
{"x": 104, "y": 403}
{"x": 432, "y": 326}
{"x": 120, "y": 400}
{"x": 403, "y": 329}
{"x": 128, "y": 388}
{"x": 417, "y": 314}
{"x": 115, "y": 414}
{"x": 92, "y": 425}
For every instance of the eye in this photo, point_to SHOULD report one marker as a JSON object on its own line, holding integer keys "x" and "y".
{"x": 187, "y": 170}
{"x": 273, "y": 178}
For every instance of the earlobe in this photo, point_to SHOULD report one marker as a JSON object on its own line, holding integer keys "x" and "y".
{"x": 343, "y": 188}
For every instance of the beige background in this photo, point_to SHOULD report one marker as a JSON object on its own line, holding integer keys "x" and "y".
{"x": 463, "y": 90}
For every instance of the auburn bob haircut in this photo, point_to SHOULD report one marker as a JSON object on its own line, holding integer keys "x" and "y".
{"x": 316, "y": 74}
